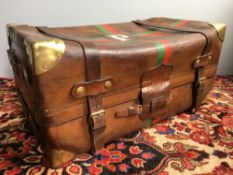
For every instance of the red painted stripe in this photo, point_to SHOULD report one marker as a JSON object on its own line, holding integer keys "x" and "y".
{"x": 168, "y": 51}
{"x": 153, "y": 34}
{"x": 110, "y": 29}
{"x": 181, "y": 23}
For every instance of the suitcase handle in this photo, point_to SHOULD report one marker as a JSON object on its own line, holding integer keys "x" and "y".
{"x": 152, "y": 26}
{"x": 153, "y": 96}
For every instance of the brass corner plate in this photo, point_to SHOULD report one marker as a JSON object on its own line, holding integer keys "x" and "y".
{"x": 221, "y": 29}
{"x": 44, "y": 52}
{"x": 58, "y": 157}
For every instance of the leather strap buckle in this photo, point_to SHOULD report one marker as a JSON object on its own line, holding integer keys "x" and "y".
{"x": 134, "y": 110}
{"x": 202, "y": 61}
{"x": 200, "y": 85}
{"x": 138, "y": 109}
{"x": 98, "y": 120}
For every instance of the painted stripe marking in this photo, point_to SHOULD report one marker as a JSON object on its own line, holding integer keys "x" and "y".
{"x": 107, "y": 29}
{"x": 149, "y": 33}
{"x": 161, "y": 52}
{"x": 168, "y": 51}
{"x": 179, "y": 23}
{"x": 164, "y": 51}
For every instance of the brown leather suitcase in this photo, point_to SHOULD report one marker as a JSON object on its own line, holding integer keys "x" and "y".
{"x": 82, "y": 87}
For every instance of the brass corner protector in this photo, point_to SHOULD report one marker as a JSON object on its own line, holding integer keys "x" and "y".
{"x": 221, "y": 29}
{"x": 58, "y": 157}
{"x": 44, "y": 53}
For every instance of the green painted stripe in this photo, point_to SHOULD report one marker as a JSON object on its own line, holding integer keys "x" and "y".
{"x": 149, "y": 122}
{"x": 161, "y": 53}
{"x": 175, "y": 23}
{"x": 102, "y": 29}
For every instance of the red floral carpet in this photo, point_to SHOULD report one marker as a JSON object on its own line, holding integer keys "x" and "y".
{"x": 200, "y": 144}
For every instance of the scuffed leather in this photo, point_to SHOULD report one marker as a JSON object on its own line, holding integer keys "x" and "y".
{"x": 62, "y": 119}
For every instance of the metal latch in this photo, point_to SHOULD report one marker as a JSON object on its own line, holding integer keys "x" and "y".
{"x": 98, "y": 119}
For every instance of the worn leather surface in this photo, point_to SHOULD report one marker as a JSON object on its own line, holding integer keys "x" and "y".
{"x": 63, "y": 120}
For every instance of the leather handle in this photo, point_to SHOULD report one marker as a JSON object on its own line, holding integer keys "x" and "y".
{"x": 155, "y": 91}
{"x": 153, "y": 26}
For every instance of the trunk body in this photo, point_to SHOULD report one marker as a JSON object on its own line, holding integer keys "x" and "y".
{"x": 84, "y": 86}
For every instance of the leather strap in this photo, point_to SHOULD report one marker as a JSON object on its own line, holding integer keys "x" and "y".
{"x": 92, "y": 88}
{"x": 198, "y": 84}
{"x": 199, "y": 64}
{"x": 153, "y": 26}
{"x": 96, "y": 113}
{"x": 141, "y": 110}
{"x": 155, "y": 90}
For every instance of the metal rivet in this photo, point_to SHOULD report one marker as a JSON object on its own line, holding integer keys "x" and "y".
{"x": 80, "y": 91}
{"x": 198, "y": 61}
{"x": 210, "y": 57}
{"x": 108, "y": 84}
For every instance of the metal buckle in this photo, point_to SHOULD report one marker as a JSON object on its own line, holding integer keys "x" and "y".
{"x": 201, "y": 82}
{"x": 98, "y": 119}
{"x": 202, "y": 78}
{"x": 138, "y": 108}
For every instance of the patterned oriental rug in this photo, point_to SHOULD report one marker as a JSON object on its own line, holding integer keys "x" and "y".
{"x": 200, "y": 143}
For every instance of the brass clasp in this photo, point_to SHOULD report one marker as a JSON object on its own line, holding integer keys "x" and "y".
{"x": 138, "y": 109}
{"x": 98, "y": 119}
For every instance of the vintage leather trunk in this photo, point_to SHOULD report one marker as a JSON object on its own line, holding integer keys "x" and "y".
{"x": 82, "y": 87}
